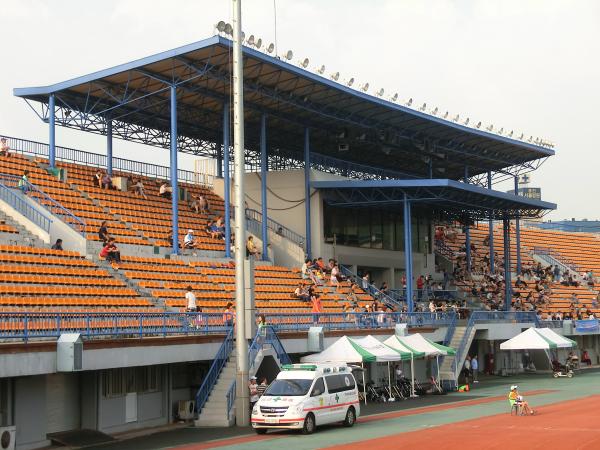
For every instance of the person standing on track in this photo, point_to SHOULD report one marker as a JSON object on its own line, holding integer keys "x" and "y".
{"x": 474, "y": 368}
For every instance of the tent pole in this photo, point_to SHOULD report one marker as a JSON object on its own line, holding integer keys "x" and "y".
{"x": 437, "y": 361}
{"x": 412, "y": 374}
{"x": 390, "y": 379}
{"x": 364, "y": 384}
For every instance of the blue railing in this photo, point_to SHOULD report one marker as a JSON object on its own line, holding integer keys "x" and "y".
{"x": 20, "y": 205}
{"x": 561, "y": 259}
{"x": 46, "y": 202}
{"x": 370, "y": 289}
{"x": 256, "y": 216}
{"x": 98, "y": 160}
{"x": 450, "y": 331}
{"x": 214, "y": 372}
{"x": 32, "y": 325}
{"x": 267, "y": 336}
{"x": 273, "y": 339}
{"x": 441, "y": 248}
{"x": 424, "y": 294}
{"x": 354, "y": 170}
{"x": 357, "y": 320}
{"x": 479, "y": 317}
{"x": 230, "y": 397}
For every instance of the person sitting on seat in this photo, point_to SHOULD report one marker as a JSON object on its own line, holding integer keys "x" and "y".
{"x": 251, "y": 249}
{"x": 515, "y": 398}
{"x": 111, "y": 253}
{"x": 138, "y": 188}
{"x": 106, "y": 181}
{"x": 189, "y": 240}
{"x": 24, "y": 182}
{"x": 103, "y": 232}
{"x": 165, "y": 190}
{"x": 58, "y": 245}
{"x": 301, "y": 293}
{"x": 585, "y": 358}
{"x": 4, "y": 148}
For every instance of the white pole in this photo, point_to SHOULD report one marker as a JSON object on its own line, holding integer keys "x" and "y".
{"x": 242, "y": 397}
{"x": 390, "y": 380}
{"x": 437, "y": 363}
{"x": 412, "y": 374}
{"x": 364, "y": 384}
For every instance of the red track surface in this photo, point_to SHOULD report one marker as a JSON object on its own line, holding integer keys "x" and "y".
{"x": 572, "y": 425}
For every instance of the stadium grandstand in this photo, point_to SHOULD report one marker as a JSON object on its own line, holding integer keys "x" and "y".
{"x": 363, "y": 217}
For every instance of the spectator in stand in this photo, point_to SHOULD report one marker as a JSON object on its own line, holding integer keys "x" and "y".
{"x": 190, "y": 297}
{"x": 251, "y": 249}
{"x": 384, "y": 288}
{"x": 321, "y": 265}
{"x": 334, "y": 278}
{"x": 332, "y": 262}
{"x": 520, "y": 283}
{"x": 420, "y": 285}
{"x": 103, "y": 232}
{"x": 24, "y": 182}
{"x": 188, "y": 240}
{"x": 138, "y": 188}
{"x": 301, "y": 293}
{"x": 4, "y": 148}
{"x": 228, "y": 315}
{"x": 202, "y": 204}
{"x": 165, "y": 191}
{"x": 98, "y": 178}
{"x": 58, "y": 245}
{"x": 317, "y": 308}
{"x": 111, "y": 253}
{"x": 365, "y": 282}
{"x": 106, "y": 181}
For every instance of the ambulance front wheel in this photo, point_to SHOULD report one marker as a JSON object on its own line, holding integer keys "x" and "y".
{"x": 309, "y": 424}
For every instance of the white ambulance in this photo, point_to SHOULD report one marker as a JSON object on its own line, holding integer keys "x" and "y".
{"x": 304, "y": 396}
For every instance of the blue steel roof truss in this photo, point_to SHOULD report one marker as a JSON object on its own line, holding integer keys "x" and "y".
{"x": 382, "y": 135}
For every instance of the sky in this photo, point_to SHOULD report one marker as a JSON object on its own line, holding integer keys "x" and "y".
{"x": 532, "y": 66}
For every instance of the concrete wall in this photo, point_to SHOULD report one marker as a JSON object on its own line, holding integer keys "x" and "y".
{"x": 30, "y": 412}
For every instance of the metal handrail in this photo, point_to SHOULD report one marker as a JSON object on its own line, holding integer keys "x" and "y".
{"x": 371, "y": 289}
{"x": 24, "y": 208}
{"x": 57, "y": 208}
{"x": 561, "y": 259}
{"x": 230, "y": 398}
{"x": 214, "y": 372}
{"x": 450, "y": 331}
{"x": 25, "y": 325}
{"x": 356, "y": 170}
{"x": 35, "y": 148}
{"x": 442, "y": 248}
{"x": 276, "y": 227}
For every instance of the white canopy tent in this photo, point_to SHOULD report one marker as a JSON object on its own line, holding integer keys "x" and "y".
{"x": 537, "y": 339}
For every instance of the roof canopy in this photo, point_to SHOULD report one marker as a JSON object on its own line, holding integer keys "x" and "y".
{"x": 378, "y": 132}
{"x": 419, "y": 343}
{"x": 444, "y": 197}
{"x": 537, "y": 339}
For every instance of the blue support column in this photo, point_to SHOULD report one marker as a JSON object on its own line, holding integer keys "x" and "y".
{"x": 109, "y": 148}
{"x": 307, "y": 190}
{"x": 263, "y": 185}
{"x": 467, "y": 230}
{"x": 408, "y": 260}
{"x": 174, "y": 187}
{"x": 518, "y": 230}
{"x": 226, "y": 180}
{"x": 507, "y": 277}
{"x": 219, "y": 146}
{"x": 52, "y": 131}
{"x": 491, "y": 229}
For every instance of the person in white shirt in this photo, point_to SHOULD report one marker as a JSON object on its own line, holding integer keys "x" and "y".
{"x": 191, "y": 300}
{"x": 253, "y": 387}
{"x": 474, "y": 368}
{"x": 188, "y": 240}
{"x": 165, "y": 190}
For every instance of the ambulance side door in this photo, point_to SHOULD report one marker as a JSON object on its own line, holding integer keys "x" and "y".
{"x": 318, "y": 401}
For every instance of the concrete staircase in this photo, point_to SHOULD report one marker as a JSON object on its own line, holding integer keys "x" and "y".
{"x": 214, "y": 413}
{"x": 23, "y": 237}
{"x": 446, "y": 371}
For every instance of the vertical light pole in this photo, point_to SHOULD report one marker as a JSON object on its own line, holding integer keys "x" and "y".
{"x": 491, "y": 228}
{"x": 242, "y": 394}
{"x": 263, "y": 186}
{"x": 52, "y": 131}
{"x": 109, "y": 147}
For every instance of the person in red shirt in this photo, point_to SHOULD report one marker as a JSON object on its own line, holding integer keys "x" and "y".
{"x": 420, "y": 284}
{"x": 317, "y": 308}
{"x": 111, "y": 252}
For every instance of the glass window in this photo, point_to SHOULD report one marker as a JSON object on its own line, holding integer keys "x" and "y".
{"x": 376, "y": 229}
{"x": 339, "y": 383}
{"x": 318, "y": 388}
{"x": 388, "y": 231}
{"x": 364, "y": 229}
{"x": 289, "y": 388}
{"x": 399, "y": 233}
{"x": 350, "y": 227}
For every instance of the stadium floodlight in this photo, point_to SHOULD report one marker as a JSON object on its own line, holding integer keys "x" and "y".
{"x": 228, "y": 29}
{"x": 522, "y": 136}
{"x": 490, "y": 128}
{"x": 321, "y": 70}
{"x": 220, "y": 26}
{"x": 350, "y": 82}
{"x": 478, "y": 125}
{"x": 530, "y": 139}
{"x": 409, "y": 102}
{"x": 456, "y": 118}
{"x": 271, "y": 48}
{"x": 304, "y": 63}
{"x": 501, "y": 131}
{"x": 446, "y": 115}
{"x": 335, "y": 76}
{"x": 258, "y": 44}
{"x": 289, "y": 55}
{"x": 424, "y": 107}
{"x": 435, "y": 111}
{"x": 380, "y": 92}
{"x": 243, "y": 36}
{"x": 250, "y": 40}
{"x": 395, "y": 97}
{"x": 467, "y": 121}
{"x": 510, "y": 134}
{"x": 365, "y": 87}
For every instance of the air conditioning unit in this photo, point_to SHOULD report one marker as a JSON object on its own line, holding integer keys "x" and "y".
{"x": 186, "y": 409}
{"x": 7, "y": 438}
{"x": 315, "y": 339}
